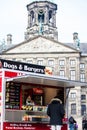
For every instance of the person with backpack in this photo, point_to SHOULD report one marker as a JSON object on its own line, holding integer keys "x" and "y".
{"x": 72, "y": 123}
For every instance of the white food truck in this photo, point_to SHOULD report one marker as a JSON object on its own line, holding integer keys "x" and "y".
{"x": 18, "y": 80}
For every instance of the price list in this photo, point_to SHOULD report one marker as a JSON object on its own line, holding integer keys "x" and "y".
{"x": 12, "y": 98}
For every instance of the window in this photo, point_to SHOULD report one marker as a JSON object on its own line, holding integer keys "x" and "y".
{"x": 14, "y": 59}
{"x": 50, "y": 16}
{"x": 40, "y": 62}
{"x": 61, "y": 73}
{"x": 41, "y": 16}
{"x": 72, "y": 62}
{"x": 24, "y": 59}
{"x": 73, "y": 108}
{"x": 29, "y": 61}
{"x": 19, "y": 60}
{"x": 82, "y": 66}
{"x": 73, "y": 95}
{"x": 50, "y": 63}
{"x": 83, "y": 97}
{"x": 72, "y": 74}
{"x": 61, "y": 62}
{"x": 82, "y": 77}
{"x": 83, "y": 109}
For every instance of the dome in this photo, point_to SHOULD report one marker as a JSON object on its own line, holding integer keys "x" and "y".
{"x": 41, "y": 0}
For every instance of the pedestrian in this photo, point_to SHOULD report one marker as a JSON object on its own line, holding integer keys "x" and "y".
{"x": 85, "y": 124}
{"x": 72, "y": 123}
{"x": 56, "y": 113}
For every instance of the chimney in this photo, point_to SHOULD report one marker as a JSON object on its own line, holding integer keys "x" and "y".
{"x": 9, "y": 39}
{"x": 75, "y": 37}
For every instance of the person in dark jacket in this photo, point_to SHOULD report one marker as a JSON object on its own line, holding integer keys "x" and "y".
{"x": 72, "y": 123}
{"x": 84, "y": 124}
{"x": 56, "y": 113}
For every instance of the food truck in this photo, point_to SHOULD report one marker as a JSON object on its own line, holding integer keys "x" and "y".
{"x": 20, "y": 80}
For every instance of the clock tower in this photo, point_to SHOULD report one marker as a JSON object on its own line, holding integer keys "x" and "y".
{"x": 41, "y": 20}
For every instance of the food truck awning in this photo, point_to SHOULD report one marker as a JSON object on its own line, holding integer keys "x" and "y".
{"x": 48, "y": 80}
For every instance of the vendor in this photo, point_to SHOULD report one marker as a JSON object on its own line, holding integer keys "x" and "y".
{"x": 29, "y": 101}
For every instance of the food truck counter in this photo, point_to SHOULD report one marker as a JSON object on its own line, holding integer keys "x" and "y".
{"x": 25, "y": 119}
{"x": 28, "y": 114}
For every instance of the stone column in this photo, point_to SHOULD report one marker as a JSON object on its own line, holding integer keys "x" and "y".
{"x": 29, "y": 19}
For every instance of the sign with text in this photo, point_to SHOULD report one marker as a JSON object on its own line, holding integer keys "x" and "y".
{"x": 14, "y": 65}
{"x": 25, "y": 126}
{"x": 12, "y": 97}
{"x": 28, "y": 126}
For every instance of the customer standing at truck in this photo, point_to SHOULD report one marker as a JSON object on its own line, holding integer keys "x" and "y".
{"x": 56, "y": 113}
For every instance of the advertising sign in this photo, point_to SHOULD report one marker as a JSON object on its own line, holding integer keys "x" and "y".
{"x": 25, "y": 126}
{"x": 29, "y": 126}
{"x": 13, "y": 65}
{"x": 26, "y": 67}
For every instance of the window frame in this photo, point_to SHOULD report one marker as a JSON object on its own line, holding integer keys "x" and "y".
{"x": 72, "y": 74}
{"x": 73, "y": 108}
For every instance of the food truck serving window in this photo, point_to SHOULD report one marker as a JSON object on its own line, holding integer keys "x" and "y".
{"x": 29, "y": 99}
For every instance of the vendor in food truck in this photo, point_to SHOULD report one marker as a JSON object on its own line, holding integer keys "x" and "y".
{"x": 29, "y": 101}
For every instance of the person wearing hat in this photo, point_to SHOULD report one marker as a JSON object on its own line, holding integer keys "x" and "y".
{"x": 56, "y": 113}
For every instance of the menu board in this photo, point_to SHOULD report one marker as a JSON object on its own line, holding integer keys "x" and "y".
{"x": 12, "y": 98}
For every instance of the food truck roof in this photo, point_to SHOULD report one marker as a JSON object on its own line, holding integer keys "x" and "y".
{"x": 48, "y": 80}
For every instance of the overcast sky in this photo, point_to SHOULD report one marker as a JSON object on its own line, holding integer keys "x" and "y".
{"x": 71, "y": 17}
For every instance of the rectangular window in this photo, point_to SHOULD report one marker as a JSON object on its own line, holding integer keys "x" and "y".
{"x": 61, "y": 73}
{"x": 61, "y": 62}
{"x": 82, "y": 77}
{"x": 72, "y": 74}
{"x": 83, "y": 97}
{"x": 24, "y": 59}
{"x": 40, "y": 62}
{"x": 72, "y": 62}
{"x": 73, "y": 96}
{"x": 29, "y": 61}
{"x": 82, "y": 66}
{"x": 14, "y": 59}
{"x": 83, "y": 109}
{"x": 73, "y": 108}
{"x": 51, "y": 63}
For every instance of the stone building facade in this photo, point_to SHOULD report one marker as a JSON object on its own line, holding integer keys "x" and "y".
{"x": 41, "y": 46}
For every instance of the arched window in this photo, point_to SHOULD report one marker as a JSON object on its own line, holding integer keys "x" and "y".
{"x": 41, "y": 16}
{"x": 50, "y": 16}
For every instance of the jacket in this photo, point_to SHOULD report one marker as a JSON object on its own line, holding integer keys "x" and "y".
{"x": 55, "y": 111}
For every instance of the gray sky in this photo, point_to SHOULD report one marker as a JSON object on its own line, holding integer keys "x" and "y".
{"x": 71, "y": 17}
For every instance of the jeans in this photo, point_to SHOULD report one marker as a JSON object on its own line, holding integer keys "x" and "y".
{"x": 71, "y": 126}
{"x": 55, "y": 127}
